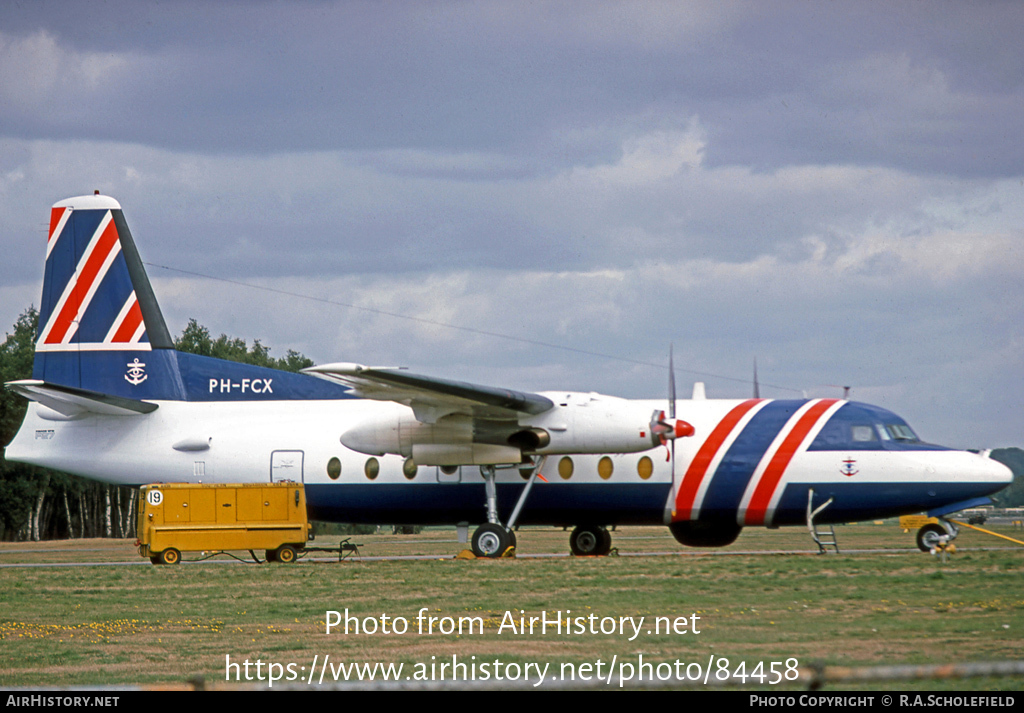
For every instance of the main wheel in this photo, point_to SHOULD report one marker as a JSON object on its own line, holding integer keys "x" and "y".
{"x": 928, "y": 537}
{"x": 170, "y": 556}
{"x": 285, "y": 554}
{"x": 490, "y": 540}
{"x": 590, "y": 540}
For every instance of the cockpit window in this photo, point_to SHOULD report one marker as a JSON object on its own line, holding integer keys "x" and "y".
{"x": 863, "y": 434}
{"x": 860, "y": 427}
{"x": 901, "y": 432}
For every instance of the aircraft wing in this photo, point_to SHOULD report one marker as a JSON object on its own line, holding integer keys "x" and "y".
{"x": 431, "y": 398}
{"x": 70, "y": 401}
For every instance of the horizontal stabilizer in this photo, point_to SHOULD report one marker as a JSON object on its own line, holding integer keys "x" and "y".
{"x": 70, "y": 401}
{"x": 430, "y": 397}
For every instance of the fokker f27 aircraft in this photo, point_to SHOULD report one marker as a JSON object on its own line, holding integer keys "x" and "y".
{"x": 114, "y": 401}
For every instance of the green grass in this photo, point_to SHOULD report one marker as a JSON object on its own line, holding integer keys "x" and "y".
{"x": 146, "y": 624}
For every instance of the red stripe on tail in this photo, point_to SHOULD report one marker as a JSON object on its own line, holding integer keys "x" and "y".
{"x": 83, "y": 281}
{"x": 129, "y": 325}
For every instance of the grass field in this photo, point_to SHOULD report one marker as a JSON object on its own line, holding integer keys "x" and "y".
{"x": 767, "y": 598}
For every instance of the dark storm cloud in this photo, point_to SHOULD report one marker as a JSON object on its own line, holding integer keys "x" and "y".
{"x": 920, "y": 87}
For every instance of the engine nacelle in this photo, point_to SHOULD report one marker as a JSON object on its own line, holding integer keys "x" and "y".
{"x": 594, "y": 423}
{"x": 577, "y": 424}
{"x": 399, "y": 431}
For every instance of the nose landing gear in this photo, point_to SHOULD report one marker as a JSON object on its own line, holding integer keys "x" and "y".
{"x": 931, "y": 536}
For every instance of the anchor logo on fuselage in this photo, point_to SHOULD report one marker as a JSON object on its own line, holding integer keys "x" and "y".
{"x": 136, "y": 373}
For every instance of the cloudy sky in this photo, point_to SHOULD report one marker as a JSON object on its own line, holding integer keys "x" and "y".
{"x": 546, "y": 195}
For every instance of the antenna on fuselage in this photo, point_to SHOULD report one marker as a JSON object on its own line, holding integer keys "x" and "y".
{"x": 846, "y": 390}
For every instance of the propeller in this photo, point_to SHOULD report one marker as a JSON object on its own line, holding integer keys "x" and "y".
{"x": 670, "y": 428}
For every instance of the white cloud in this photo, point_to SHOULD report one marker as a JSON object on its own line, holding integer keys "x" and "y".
{"x": 41, "y": 74}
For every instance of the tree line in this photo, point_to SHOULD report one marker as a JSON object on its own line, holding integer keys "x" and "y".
{"x": 42, "y": 504}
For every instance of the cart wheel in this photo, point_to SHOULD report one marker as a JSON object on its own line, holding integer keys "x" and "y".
{"x": 170, "y": 556}
{"x": 285, "y": 554}
{"x": 155, "y": 559}
{"x": 271, "y": 555}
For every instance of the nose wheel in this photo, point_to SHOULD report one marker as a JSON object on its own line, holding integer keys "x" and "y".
{"x": 931, "y": 536}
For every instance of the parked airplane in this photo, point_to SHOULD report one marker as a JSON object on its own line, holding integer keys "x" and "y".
{"x": 113, "y": 400}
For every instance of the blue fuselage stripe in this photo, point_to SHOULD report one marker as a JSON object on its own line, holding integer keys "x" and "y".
{"x": 609, "y": 503}
{"x": 737, "y": 467}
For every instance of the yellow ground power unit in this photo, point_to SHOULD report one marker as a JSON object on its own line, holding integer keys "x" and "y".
{"x": 186, "y": 517}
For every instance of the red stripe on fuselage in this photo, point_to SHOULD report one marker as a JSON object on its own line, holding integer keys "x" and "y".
{"x": 83, "y": 281}
{"x": 705, "y": 455}
{"x": 780, "y": 461}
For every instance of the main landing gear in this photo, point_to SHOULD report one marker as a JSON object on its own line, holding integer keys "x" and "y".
{"x": 492, "y": 539}
{"x": 590, "y": 540}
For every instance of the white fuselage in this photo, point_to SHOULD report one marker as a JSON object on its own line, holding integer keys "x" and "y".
{"x": 296, "y": 440}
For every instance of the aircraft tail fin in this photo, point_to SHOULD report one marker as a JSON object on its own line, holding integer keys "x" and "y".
{"x": 98, "y": 315}
{"x": 103, "y": 346}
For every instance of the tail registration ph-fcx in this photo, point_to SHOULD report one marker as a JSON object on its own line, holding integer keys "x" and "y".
{"x": 111, "y": 399}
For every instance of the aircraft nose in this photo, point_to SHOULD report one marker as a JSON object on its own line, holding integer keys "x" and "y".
{"x": 999, "y": 472}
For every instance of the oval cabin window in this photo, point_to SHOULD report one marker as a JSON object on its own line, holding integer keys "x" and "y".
{"x": 372, "y": 468}
{"x": 644, "y": 468}
{"x": 565, "y": 467}
{"x": 334, "y": 468}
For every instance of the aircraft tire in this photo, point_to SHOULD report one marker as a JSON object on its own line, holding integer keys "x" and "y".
{"x": 285, "y": 554}
{"x": 490, "y": 540}
{"x": 928, "y": 537}
{"x": 170, "y": 556}
{"x": 590, "y": 541}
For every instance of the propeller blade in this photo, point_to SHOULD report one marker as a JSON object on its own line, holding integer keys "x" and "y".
{"x": 672, "y": 407}
{"x": 671, "y": 385}
{"x": 757, "y": 388}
